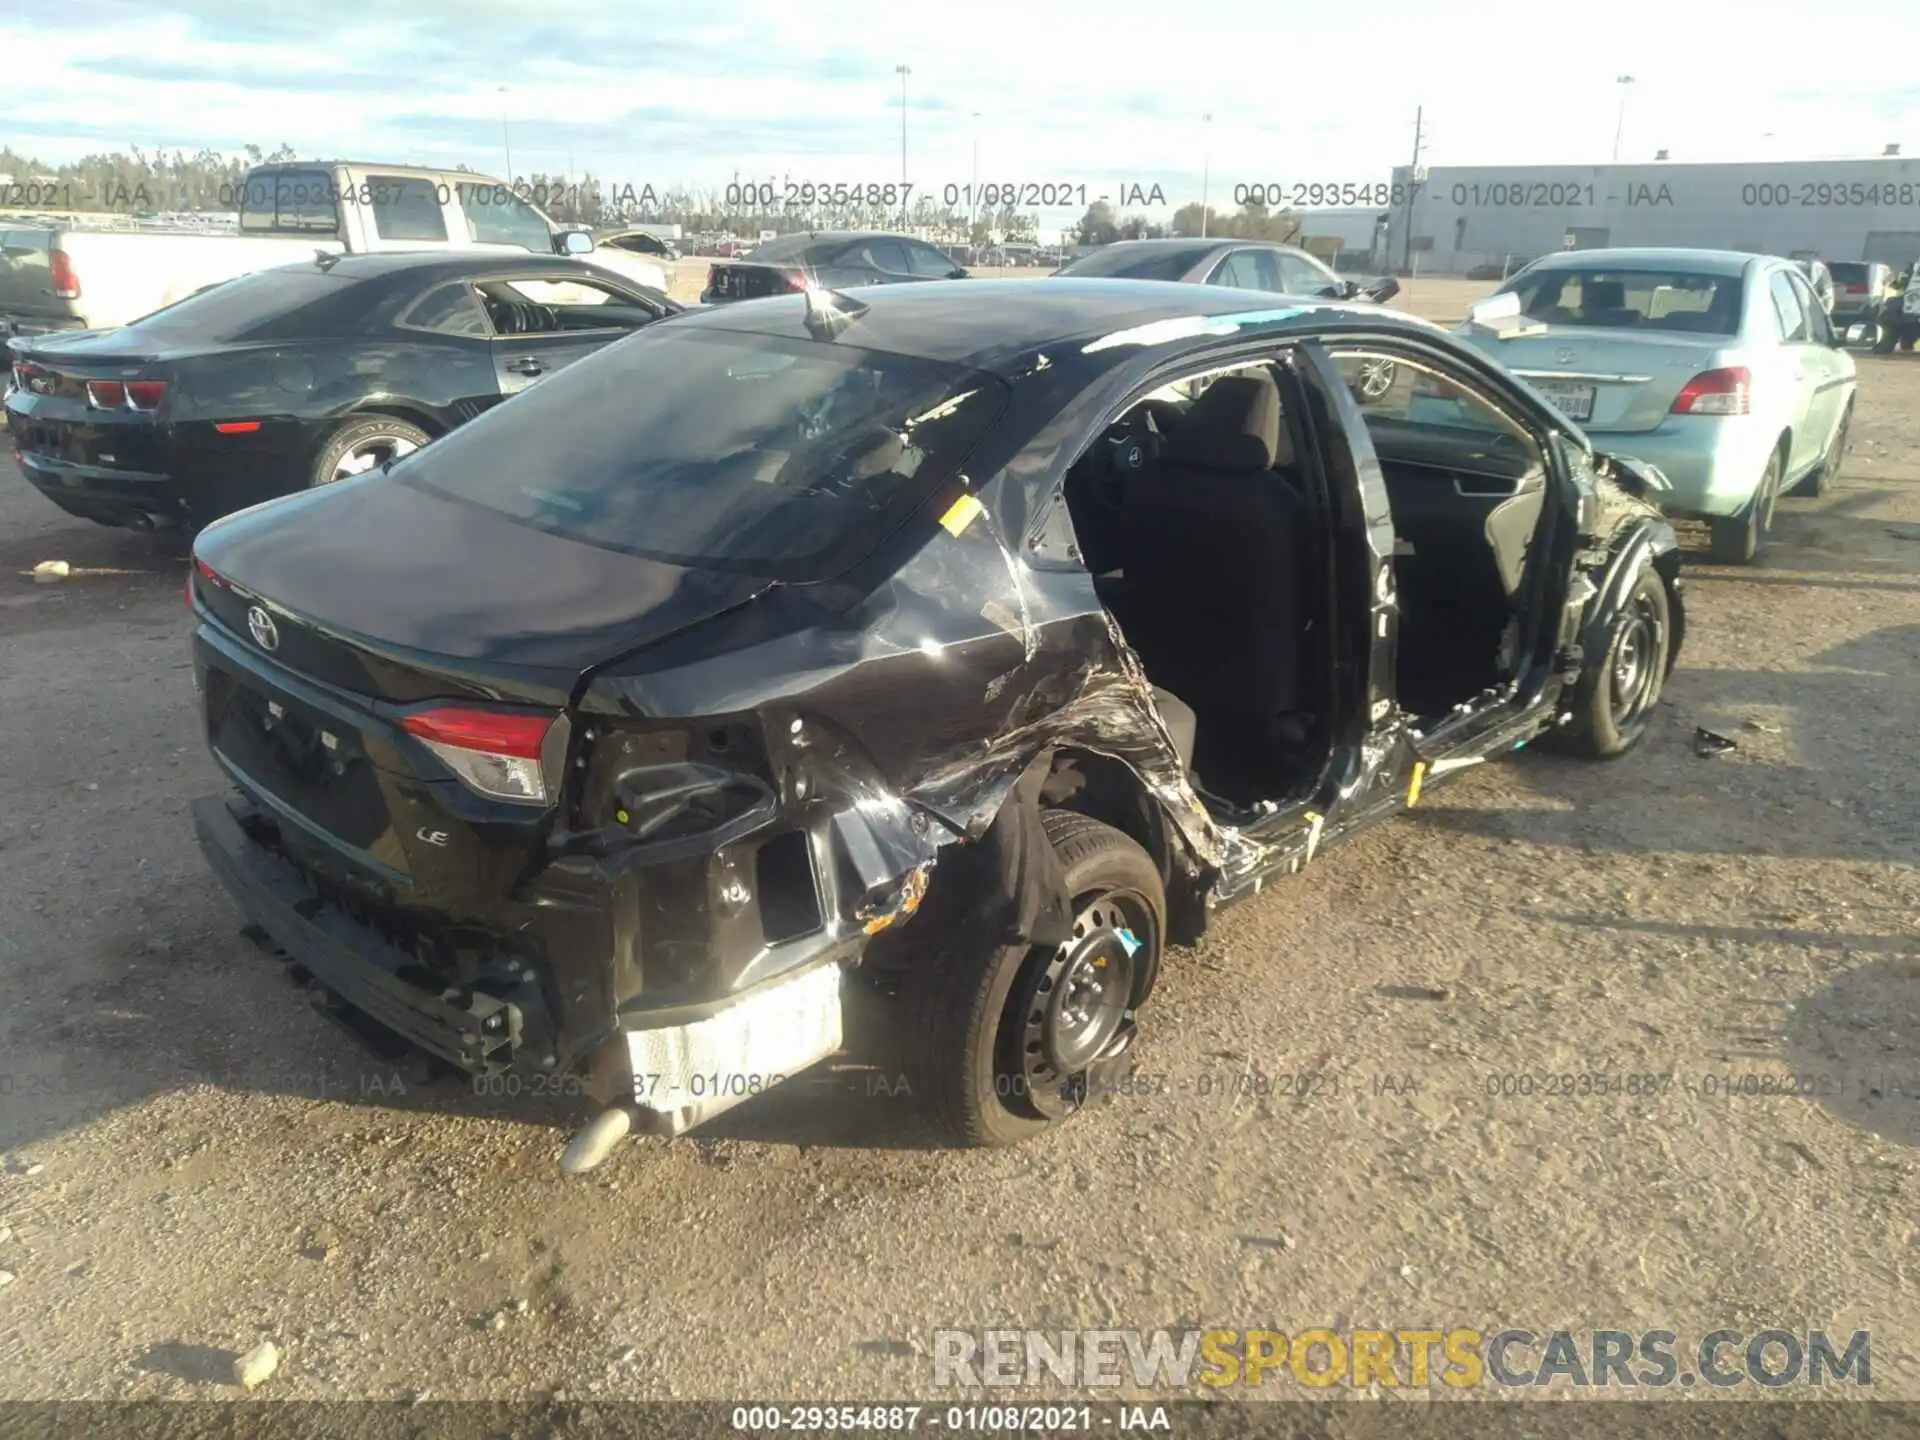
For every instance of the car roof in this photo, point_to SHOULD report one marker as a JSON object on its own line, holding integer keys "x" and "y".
{"x": 465, "y": 177}
{"x": 1002, "y": 326}
{"x": 1702, "y": 262}
{"x": 452, "y": 264}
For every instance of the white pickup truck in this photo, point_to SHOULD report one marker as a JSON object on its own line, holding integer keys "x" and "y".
{"x": 96, "y": 273}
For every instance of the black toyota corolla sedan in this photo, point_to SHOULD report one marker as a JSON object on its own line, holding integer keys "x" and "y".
{"x": 971, "y": 643}
{"x": 298, "y": 376}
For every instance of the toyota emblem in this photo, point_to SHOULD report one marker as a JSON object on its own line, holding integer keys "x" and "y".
{"x": 260, "y": 625}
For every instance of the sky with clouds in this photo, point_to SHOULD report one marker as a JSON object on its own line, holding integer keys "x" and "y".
{"x": 1048, "y": 90}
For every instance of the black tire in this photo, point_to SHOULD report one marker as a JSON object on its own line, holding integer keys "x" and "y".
{"x": 960, "y": 1040}
{"x": 1739, "y": 539}
{"x": 373, "y": 436}
{"x": 1611, "y": 706}
{"x": 1819, "y": 480}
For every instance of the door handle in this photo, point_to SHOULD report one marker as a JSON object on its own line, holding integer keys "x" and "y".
{"x": 527, "y": 366}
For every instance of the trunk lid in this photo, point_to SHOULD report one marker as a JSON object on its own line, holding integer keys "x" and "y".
{"x": 339, "y": 616}
{"x": 1610, "y": 380}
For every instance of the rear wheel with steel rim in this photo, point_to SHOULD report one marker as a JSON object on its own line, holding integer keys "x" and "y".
{"x": 1001, "y": 1042}
{"x": 1738, "y": 539}
{"x": 363, "y": 446}
{"x": 1617, "y": 695}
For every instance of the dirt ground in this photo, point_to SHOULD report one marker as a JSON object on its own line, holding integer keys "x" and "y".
{"x": 195, "y": 1162}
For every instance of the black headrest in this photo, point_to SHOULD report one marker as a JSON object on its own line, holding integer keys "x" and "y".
{"x": 1234, "y": 425}
{"x": 1603, "y": 295}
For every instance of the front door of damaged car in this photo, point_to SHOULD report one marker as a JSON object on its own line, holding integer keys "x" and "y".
{"x": 1467, "y": 482}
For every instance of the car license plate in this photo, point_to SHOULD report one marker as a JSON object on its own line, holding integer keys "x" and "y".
{"x": 1573, "y": 401}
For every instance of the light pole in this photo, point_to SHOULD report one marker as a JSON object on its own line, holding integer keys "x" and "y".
{"x": 1623, "y": 82}
{"x": 1206, "y": 170}
{"x": 903, "y": 71}
{"x": 506, "y": 141}
{"x": 973, "y": 182}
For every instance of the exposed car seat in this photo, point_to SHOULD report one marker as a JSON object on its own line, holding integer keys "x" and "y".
{"x": 1210, "y": 540}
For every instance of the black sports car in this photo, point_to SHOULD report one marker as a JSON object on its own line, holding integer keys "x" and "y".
{"x": 298, "y": 376}
{"x": 970, "y": 643}
{"x": 835, "y": 259}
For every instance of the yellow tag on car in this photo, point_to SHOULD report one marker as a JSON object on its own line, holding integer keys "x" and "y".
{"x": 962, "y": 513}
{"x": 1413, "y": 785}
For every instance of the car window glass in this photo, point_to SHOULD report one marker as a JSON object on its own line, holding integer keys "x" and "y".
{"x": 888, "y": 255}
{"x": 303, "y": 200}
{"x": 929, "y": 263}
{"x": 1300, "y": 277}
{"x": 1424, "y": 399}
{"x": 405, "y": 209}
{"x": 738, "y": 452}
{"x": 1241, "y": 270}
{"x": 1786, "y": 305}
{"x": 1630, "y": 299}
{"x": 529, "y": 305}
{"x": 1819, "y": 328}
{"x": 496, "y": 216}
{"x": 449, "y": 310}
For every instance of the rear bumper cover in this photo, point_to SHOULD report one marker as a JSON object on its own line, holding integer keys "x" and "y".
{"x": 1713, "y": 464}
{"x": 113, "y": 497}
{"x": 673, "y": 1069}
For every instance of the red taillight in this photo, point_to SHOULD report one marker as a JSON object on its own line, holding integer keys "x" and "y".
{"x": 493, "y": 753}
{"x": 206, "y": 572}
{"x": 25, "y": 372}
{"x": 145, "y": 394}
{"x": 796, "y": 282}
{"x": 106, "y": 394}
{"x": 237, "y": 427}
{"x": 495, "y": 733}
{"x": 713, "y": 277}
{"x": 1715, "y": 392}
{"x": 66, "y": 280}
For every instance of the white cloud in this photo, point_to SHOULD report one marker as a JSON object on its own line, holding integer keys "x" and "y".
{"x": 1068, "y": 91}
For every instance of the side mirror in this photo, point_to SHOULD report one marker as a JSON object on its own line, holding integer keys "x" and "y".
{"x": 959, "y": 274}
{"x": 573, "y": 242}
{"x": 1384, "y": 291}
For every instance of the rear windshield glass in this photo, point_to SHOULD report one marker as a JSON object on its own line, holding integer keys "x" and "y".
{"x": 1152, "y": 263}
{"x": 1848, "y": 273}
{"x": 1632, "y": 300}
{"x": 243, "y": 308}
{"x": 302, "y": 200}
{"x": 720, "y": 450}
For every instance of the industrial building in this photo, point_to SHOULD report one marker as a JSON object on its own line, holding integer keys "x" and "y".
{"x": 1467, "y": 219}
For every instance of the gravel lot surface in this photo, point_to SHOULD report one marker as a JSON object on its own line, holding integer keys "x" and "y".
{"x": 194, "y": 1162}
